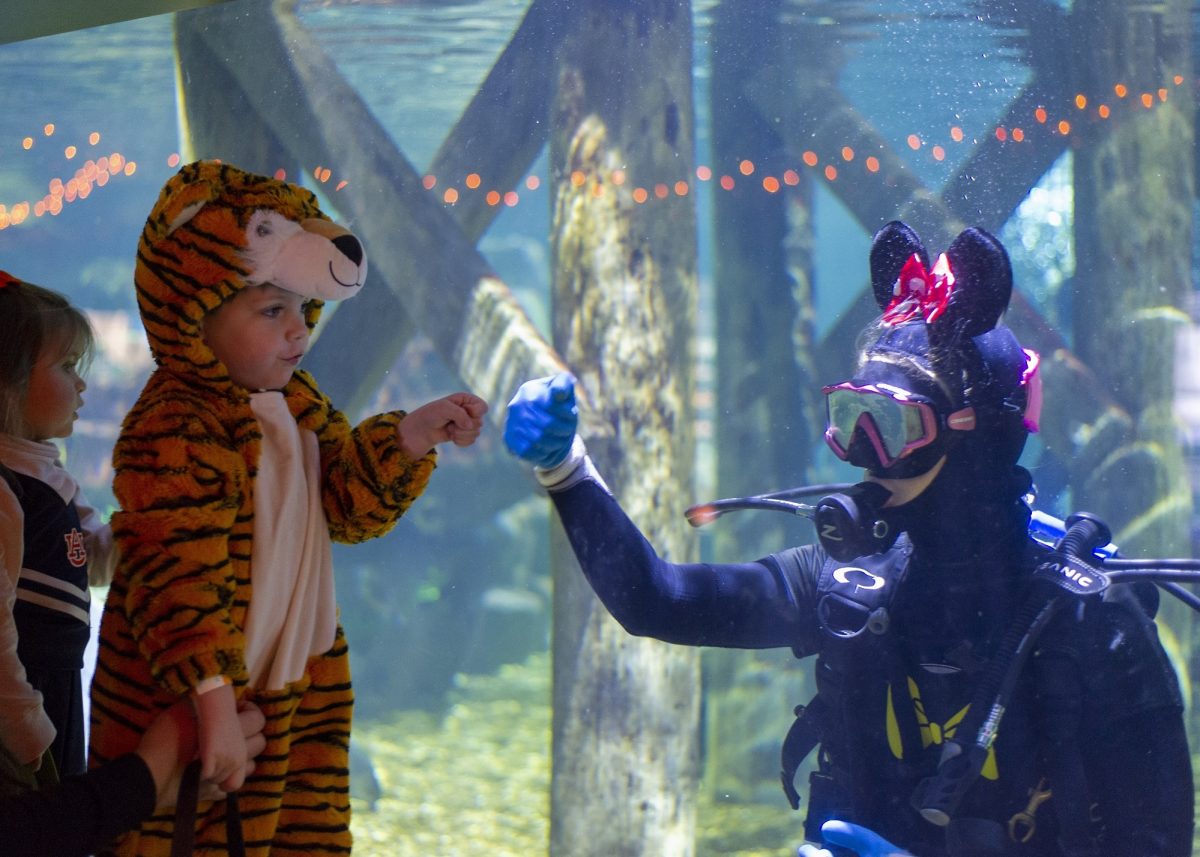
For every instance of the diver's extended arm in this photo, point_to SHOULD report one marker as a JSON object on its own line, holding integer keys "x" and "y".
{"x": 749, "y": 605}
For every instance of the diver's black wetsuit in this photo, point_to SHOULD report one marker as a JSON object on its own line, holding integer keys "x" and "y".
{"x": 957, "y": 600}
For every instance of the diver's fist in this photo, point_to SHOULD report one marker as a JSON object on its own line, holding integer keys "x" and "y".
{"x": 541, "y": 419}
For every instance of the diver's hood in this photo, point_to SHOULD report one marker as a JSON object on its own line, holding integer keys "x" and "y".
{"x": 995, "y": 382}
{"x": 941, "y": 330}
{"x": 998, "y": 391}
{"x": 217, "y": 229}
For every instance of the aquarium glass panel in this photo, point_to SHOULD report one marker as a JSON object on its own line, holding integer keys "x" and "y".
{"x": 676, "y": 203}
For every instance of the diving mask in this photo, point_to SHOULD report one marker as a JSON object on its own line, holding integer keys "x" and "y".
{"x": 894, "y": 422}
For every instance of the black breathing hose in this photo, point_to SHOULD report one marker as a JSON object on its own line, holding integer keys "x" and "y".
{"x": 776, "y": 501}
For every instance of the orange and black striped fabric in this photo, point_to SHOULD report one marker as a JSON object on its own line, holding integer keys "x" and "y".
{"x": 185, "y": 466}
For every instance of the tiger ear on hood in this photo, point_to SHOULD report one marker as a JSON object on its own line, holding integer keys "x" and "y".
{"x": 183, "y": 196}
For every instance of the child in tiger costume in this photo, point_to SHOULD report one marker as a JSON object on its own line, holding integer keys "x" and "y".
{"x": 232, "y": 473}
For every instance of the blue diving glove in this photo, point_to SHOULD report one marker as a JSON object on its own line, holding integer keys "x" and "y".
{"x": 853, "y": 837}
{"x": 540, "y": 423}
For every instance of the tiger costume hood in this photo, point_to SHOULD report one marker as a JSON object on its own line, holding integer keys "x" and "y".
{"x": 217, "y": 229}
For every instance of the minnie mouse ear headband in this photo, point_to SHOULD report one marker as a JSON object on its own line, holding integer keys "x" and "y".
{"x": 957, "y": 304}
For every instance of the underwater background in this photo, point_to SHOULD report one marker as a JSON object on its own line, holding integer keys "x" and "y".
{"x": 799, "y": 128}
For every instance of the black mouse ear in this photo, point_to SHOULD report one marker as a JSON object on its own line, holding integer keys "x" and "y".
{"x": 983, "y": 283}
{"x": 891, "y": 247}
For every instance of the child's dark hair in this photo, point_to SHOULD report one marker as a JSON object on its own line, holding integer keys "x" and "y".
{"x": 33, "y": 318}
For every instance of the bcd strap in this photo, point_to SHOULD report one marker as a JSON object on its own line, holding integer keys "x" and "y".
{"x": 853, "y": 598}
{"x": 1061, "y": 699}
{"x": 183, "y": 841}
{"x": 802, "y": 738}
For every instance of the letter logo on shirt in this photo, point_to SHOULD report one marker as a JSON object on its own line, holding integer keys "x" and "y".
{"x": 76, "y": 552}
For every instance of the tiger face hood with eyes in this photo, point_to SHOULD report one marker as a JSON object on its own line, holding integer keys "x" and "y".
{"x": 217, "y": 229}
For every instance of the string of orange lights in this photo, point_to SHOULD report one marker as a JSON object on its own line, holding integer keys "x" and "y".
{"x": 96, "y": 172}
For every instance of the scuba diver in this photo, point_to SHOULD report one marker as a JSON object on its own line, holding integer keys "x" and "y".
{"x": 978, "y": 691}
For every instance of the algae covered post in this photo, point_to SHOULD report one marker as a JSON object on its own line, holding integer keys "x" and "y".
{"x": 626, "y": 711}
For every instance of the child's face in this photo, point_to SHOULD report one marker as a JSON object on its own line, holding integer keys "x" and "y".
{"x": 55, "y": 392}
{"x": 259, "y": 335}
